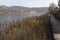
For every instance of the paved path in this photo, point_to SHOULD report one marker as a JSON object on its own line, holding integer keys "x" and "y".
{"x": 55, "y": 25}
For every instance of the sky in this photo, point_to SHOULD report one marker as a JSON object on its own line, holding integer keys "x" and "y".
{"x": 28, "y": 3}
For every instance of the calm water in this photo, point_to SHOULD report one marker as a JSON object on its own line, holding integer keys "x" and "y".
{"x": 10, "y": 17}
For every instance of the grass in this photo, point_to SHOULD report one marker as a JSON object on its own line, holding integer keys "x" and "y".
{"x": 33, "y": 28}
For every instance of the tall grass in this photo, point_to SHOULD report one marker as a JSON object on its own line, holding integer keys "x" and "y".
{"x": 33, "y": 28}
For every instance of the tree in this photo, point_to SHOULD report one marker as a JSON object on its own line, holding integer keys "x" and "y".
{"x": 54, "y": 10}
{"x": 52, "y": 6}
{"x": 59, "y": 4}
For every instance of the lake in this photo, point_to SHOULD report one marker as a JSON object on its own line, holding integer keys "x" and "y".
{"x": 10, "y": 17}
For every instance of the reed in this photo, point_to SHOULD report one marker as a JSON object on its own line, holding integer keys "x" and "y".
{"x": 33, "y": 28}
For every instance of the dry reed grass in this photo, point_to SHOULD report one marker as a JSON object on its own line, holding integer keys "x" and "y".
{"x": 34, "y": 28}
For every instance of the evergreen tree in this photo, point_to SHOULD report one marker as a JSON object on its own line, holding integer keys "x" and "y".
{"x": 59, "y": 4}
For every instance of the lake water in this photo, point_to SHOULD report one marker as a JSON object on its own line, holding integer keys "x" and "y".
{"x": 10, "y": 17}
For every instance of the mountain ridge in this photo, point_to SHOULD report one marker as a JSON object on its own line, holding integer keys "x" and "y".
{"x": 19, "y": 9}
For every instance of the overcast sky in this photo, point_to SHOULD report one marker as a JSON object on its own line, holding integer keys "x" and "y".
{"x": 28, "y": 3}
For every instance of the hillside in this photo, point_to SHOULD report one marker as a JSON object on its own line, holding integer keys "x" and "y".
{"x": 20, "y": 9}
